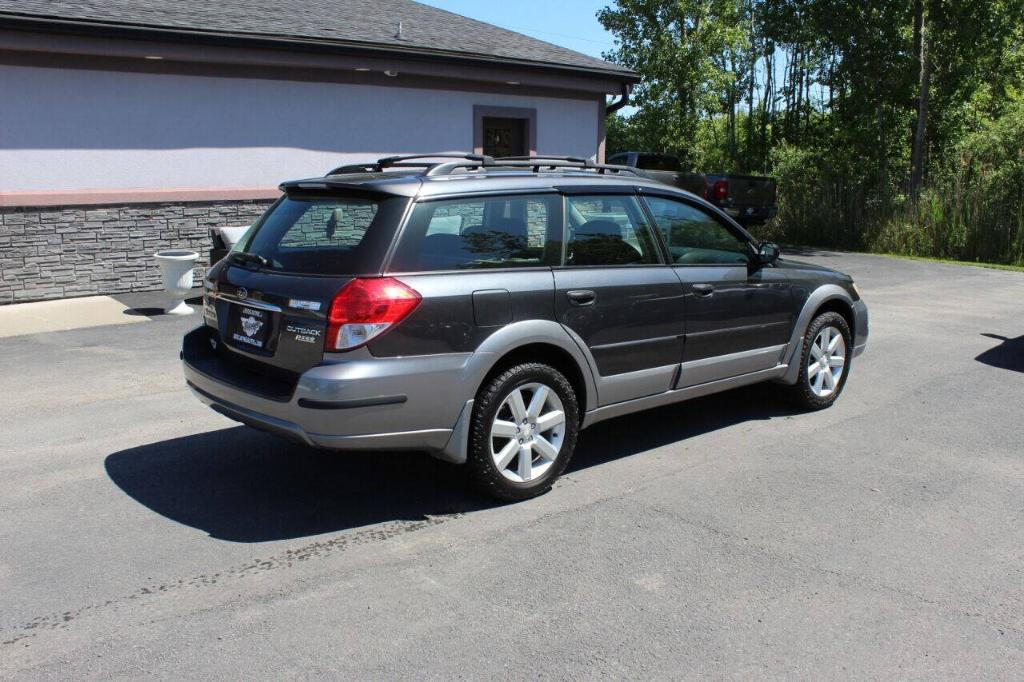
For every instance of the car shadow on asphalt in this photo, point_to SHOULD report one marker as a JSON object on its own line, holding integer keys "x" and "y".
{"x": 242, "y": 485}
{"x": 1007, "y": 355}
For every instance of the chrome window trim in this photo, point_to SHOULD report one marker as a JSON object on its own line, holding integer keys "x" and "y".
{"x": 248, "y": 302}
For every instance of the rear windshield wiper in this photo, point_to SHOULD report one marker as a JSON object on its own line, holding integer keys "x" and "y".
{"x": 244, "y": 257}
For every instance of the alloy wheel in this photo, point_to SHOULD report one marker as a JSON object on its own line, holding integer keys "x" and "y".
{"x": 527, "y": 432}
{"x": 826, "y": 362}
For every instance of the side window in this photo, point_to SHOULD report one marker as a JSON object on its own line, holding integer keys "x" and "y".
{"x": 608, "y": 230}
{"x": 695, "y": 237}
{"x": 481, "y": 232}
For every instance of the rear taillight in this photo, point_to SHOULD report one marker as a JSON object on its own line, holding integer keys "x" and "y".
{"x": 721, "y": 190}
{"x": 366, "y": 308}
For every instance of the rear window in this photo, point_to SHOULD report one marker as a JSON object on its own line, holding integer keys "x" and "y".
{"x": 324, "y": 234}
{"x": 482, "y": 232}
{"x": 657, "y": 162}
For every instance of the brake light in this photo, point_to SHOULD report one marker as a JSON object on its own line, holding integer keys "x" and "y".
{"x": 721, "y": 190}
{"x": 366, "y": 308}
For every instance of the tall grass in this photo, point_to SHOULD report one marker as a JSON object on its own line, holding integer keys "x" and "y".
{"x": 970, "y": 222}
{"x": 971, "y": 207}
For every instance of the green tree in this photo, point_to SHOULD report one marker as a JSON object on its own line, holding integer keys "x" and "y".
{"x": 683, "y": 48}
{"x": 878, "y": 118}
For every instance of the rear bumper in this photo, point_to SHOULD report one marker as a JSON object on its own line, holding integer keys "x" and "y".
{"x": 427, "y": 439}
{"x": 363, "y": 404}
{"x": 751, "y": 214}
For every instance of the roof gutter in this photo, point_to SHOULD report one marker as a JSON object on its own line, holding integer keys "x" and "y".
{"x": 137, "y": 32}
{"x": 615, "y": 106}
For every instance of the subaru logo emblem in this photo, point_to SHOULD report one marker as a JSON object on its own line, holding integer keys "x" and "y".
{"x": 243, "y": 293}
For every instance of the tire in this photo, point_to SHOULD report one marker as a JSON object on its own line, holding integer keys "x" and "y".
{"x": 817, "y": 388}
{"x": 500, "y": 441}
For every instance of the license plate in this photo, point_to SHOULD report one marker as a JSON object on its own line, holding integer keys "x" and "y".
{"x": 249, "y": 327}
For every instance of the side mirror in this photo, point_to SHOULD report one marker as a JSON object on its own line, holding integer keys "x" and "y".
{"x": 768, "y": 253}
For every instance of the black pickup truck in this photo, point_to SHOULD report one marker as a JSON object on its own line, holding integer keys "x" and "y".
{"x": 749, "y": 199}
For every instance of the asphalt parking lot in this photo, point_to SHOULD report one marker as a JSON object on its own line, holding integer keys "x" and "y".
{"x": 143, "y": 534}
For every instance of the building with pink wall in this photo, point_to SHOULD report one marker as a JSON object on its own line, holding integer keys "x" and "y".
{"x": 126, "y": 127}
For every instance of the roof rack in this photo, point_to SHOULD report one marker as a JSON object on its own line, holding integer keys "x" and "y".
{"x": 536, "y": 163}
{"x": 410, "y": 161}
{"x": 572, "y": 159}
{"x": 482, "y": 159}
{"x": 468, "y": 162}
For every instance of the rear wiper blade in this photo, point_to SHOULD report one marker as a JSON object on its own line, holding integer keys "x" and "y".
{"x": 242, "y": 257}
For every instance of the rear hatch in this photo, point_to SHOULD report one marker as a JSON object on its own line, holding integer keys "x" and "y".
{"x": 269, "y": 299}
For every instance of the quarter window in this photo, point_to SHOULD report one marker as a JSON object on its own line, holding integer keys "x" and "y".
{"x": 695, "y": 237}
{"x": 481, "y": 232}
{"x": 608, "y": 230}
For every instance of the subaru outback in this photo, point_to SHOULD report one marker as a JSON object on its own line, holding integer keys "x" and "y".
{"x": 486, "y": 310}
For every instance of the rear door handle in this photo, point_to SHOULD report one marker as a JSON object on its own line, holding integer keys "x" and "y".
{"x": 581, "y": 296}
{"x": 703, "y": 290}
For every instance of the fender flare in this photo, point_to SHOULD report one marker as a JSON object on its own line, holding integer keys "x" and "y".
{"x": 498, "y": 345}
{"x": 527, "y": 332}
{"x": 818, "y": 297}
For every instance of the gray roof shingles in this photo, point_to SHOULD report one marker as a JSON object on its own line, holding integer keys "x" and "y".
{"x": 369, "y": 22}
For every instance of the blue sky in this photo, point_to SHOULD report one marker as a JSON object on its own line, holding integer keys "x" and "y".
{"x": 569, "y": 23}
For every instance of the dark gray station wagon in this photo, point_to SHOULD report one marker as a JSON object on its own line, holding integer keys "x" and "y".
{"x": 486, "y": 310}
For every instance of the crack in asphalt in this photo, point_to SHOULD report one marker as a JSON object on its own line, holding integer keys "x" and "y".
{"x": 287, "y": 559}
{"x": 871, "y": 584}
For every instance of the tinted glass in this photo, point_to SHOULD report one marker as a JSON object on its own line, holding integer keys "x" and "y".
{"x": 654, "y": 162}
{"x": 694, "y": 236}
{"x": 481, "y": 232}
{"x": 608, "y": 230}
{"x": 323, "y": 234}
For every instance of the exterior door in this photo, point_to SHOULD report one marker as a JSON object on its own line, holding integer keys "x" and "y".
{"x": 618, "y": 298}
{"x": 738, "y": 317}
{"x": 505, "y": 136}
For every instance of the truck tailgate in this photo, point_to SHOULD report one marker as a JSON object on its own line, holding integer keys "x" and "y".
{"x": 751, "y": 190}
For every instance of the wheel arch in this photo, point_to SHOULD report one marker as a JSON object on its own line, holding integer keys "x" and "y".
{"x": 829, "y": 297}
{"x": 549, "y": 354}
{"x": 535, "y": 339}
{"x": 844, "y": 308}
{"x": 532, "y": 341}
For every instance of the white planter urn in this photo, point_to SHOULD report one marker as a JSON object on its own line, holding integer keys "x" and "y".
{"x": 176, "y": 268}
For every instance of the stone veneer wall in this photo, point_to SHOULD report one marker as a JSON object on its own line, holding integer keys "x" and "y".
{"x": 63, "y": 251}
